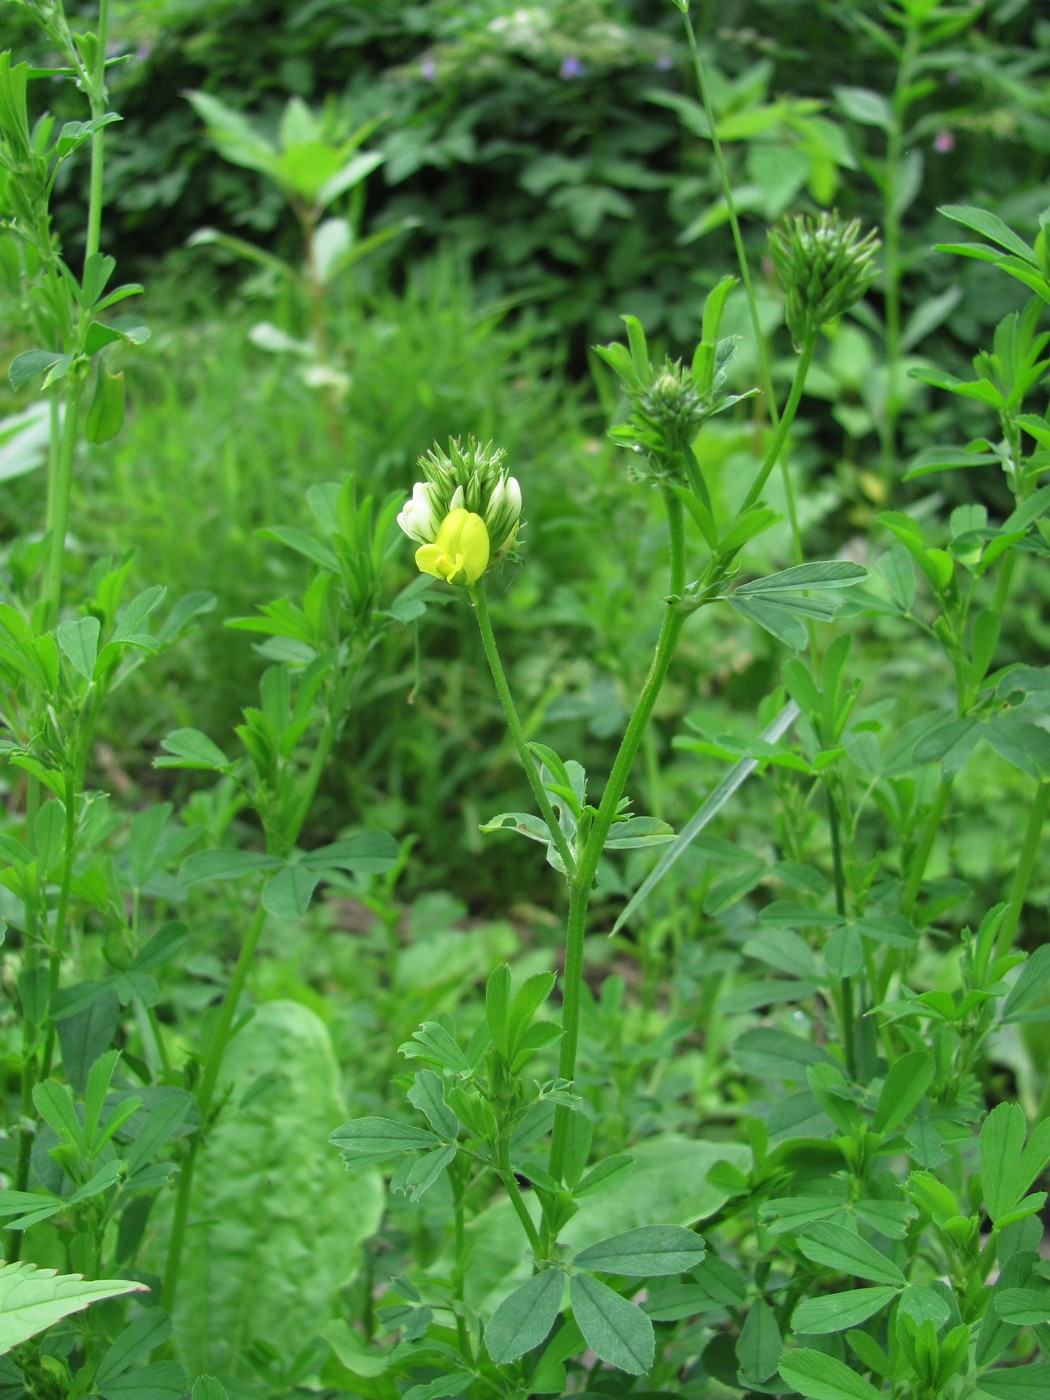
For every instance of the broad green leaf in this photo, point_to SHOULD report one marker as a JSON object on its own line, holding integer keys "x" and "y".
{"x": 768, "y": 1053}
{"x": 497, "y": 1008}
{"x": 1008, "y": 1167}
{"x": 907, "y": 1081}
{"x": 380, "y": 1137}
{"x": 614, "y": 1329}
{"x": 425, "y": 1094}
{"x": 434, "y": 1043}
{"x": 759, "y": 1346}
{"x": 366, "y": 853}
{"x": 821, "y": 1377}
{"x": 54, "y": 1103}
{"x": 163, "y": 1380}
{"x": 148, "y": 1330}
{"x": 105, "y": 415}
{"x": 425, "y": 1171}
{"x": 28, "y": 1207}
{"x": 523, "y": 822}
{"x": 288, "y": 894}
{"x": 208, "y": 1388}
{"x": 838, "y": 1311}
{"x": 838, "y": 1248}
{"x": 1026, "y": 1307}
{"x": 30, "y": 363}
{"x": 32, "y": 1299}
{"x": 832, "y": 573}
{"x": 1026, "y": 1001}
{"x": 189, "y": 748}
{"x": 303, "y": 543}
{"x": 225, "y": 865}
{"x": 1017, "y": 1382}
{"x": 990, "y": 226}
{"x": 79, "y": 641}
{"x": 606, "y": 1171}
{"x": 648, "y": 1252}
{"x": 864, "y": 106}
{"x": 525, "y": 1316}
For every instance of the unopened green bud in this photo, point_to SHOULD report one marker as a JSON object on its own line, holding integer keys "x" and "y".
{"x": 824, "y": 267}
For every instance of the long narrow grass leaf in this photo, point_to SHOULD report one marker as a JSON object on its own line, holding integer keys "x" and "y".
{"x": 723, "y": 792}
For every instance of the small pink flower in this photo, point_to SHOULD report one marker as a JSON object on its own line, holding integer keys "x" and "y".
{"x": 944, "y": 142}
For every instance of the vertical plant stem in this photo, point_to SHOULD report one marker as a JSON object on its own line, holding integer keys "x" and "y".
{"x": 846, "y": 983}
{"x": 59, "y": 488}
{"x": 97, "y": 98}
{"x": 54, "y": 969}
{"x": 891, "y": 234}
{"x": 220, "y": 1038}
{"x": 921, "y": 854}
{"x": 459, "y": 1262}
{"x": 583, "y": 880}
{"x": 517, "y": 733}
{"x": 788, "y": 417}
{"x": 734, "y": 222}
{"x": 1023, "y": 870}
{"x": 765, "y": 369}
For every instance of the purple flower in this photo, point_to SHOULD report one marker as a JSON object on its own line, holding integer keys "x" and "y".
{"x": 571, "y": 67}
{"x": 944, "y": 142}
{"x": 663, "y": 61}
{"x": 428, "y": 69}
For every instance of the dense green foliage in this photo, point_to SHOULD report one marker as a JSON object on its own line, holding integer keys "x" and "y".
{"x": 731, "y": 1077}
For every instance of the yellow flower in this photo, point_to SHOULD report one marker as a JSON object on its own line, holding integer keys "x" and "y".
{"x": 460, "y": 552}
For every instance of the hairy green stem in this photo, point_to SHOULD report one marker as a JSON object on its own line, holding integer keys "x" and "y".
{"x": 1023, "y": 870}
{"x": 220, "y": 1038}
{"x": 583, "y": 880}
{"x": 517, "y": 733}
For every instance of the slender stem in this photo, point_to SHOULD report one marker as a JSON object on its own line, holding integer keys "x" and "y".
{"x": 59, "y": 488}
{"x": 517, "y": 733}
{"x": 220, "y": 1038}
{"x": 765, "y": 369}
{"x": 921, "y": 854}
{"x": 323, "y": 748}
{"x": 97, "y": 97}
{"x": 784, "y": 426}
{"x": 1023, "y": 870}
{"x": 61, "y": 912}
{"x": 891, "y": 234}
{"x": 734, "y": 222}
{"x": 459, "y": 1262}
{"x": 515, "y": 1197}
{"x": 846, "y": 985}
{"x": 580, "y": 888}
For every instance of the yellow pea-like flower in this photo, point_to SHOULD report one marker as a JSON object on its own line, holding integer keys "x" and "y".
{"x": 460, "y": 551}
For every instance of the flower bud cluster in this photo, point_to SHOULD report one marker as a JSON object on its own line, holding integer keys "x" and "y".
{"x": 824, "y": 267}
{"x": 668, "y": 412}
{"x": 466, "y": 514}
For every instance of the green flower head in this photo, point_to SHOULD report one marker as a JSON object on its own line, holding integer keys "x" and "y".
{"x": 824, "y": 267}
